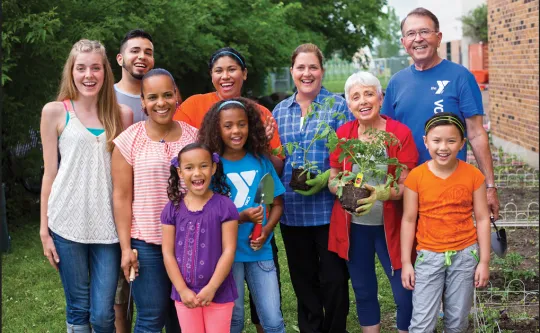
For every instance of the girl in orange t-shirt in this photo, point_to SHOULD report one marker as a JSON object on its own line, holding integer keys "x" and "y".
{"x": 453, "y": 254}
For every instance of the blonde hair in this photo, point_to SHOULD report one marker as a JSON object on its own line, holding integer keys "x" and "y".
{"x": 108, "y": 108}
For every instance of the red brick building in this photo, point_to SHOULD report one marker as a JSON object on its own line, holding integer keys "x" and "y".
{"x": 513, "y": 76}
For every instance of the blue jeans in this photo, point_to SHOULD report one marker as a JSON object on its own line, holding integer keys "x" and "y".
{"x": 152, "y": 291}
{"x": 263, "y": 285}
{"x": 365, "y": 240}
{"x": 89, "y": 273}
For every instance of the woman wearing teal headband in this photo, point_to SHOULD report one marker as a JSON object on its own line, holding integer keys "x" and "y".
{"x": 228, "y": 71}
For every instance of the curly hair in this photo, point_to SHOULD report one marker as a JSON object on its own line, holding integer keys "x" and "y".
{"x": 175, "y": 192}
{"x": 257, "y": 143}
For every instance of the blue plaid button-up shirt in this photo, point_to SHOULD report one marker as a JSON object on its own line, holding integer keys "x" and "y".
{"x": 314, "y": 210}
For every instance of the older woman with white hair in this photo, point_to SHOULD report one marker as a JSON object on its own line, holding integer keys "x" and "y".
{"x": 358, "y": 237}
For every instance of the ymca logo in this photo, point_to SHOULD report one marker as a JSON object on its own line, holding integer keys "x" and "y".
{"x": 242, "y": 181}
{"x": 441, "y": 85}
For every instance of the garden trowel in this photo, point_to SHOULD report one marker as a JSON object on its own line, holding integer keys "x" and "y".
{"x": 131, "y": 278}
{"x": 264, "y": 195}
{"x": 498, "y": 240}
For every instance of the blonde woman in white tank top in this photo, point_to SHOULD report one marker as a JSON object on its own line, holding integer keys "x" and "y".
{"x": 77, "y": 227}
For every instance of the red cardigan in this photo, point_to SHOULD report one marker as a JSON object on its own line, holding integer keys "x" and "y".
{"x": 340, "y": 221}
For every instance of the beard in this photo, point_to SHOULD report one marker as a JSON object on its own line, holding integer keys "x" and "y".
{"x": 130, "y": 71}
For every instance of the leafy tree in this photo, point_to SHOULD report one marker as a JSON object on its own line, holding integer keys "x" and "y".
{"x": 38, "y": 35}
{"x": 475, "y": 24}
{"x": 344, "y": 26}
{"x": 389, "y": 44}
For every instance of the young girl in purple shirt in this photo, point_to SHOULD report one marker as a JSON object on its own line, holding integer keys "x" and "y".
{"x": 200, "y": 227}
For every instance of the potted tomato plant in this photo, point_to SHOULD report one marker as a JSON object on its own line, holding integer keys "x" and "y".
{"x": 367, "y": 155}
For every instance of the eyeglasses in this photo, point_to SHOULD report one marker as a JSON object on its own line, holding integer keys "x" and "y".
{"x": 424, "y": 33}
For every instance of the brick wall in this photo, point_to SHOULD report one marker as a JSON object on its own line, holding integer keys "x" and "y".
{"x": 513, "y": 71}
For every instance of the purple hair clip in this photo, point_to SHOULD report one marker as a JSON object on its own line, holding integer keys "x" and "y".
{"x": 174, "y": 162}
{"x": 215, "y": 158}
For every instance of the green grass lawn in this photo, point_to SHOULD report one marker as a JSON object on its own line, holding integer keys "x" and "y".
{"x": 337, "y": 86}
{"x": 33, "y": 298}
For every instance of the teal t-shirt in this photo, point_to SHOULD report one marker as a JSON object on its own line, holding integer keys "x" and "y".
{"x": 243, "y": 177}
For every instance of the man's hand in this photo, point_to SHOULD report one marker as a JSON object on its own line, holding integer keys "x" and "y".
{"x": 317, "y": 184}
{"x": 493, "y": 202}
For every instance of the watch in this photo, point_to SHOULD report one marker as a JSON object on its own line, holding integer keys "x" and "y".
{"x": 491, "y": 186}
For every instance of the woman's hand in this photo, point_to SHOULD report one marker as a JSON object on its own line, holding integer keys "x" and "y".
{"x": 481, "y": 275}
{"x": 129, "y": 259}
{"x": 49, "y": 250}
{"x": 269, "y": 127}
{"x": 206, "y": 295}
{"x": 189, "y": 298}
{"x": 379, "y": 192}
{"x": 407, "y": 276}
{"x": 317, "y": 184}
{"x": 254, "y": 214}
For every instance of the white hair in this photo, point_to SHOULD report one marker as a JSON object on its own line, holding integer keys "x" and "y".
{"x": 365, "y": 79}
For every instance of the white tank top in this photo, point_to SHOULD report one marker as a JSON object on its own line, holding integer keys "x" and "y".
{"x": 80, "y": 204}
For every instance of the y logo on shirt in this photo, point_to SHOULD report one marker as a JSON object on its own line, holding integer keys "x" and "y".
{"x": 441, "y": 85}
{"x": 242, "y": 181}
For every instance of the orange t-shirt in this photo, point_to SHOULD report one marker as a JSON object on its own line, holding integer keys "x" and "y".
{"x": 193, "y": 110}
{"x": 445, "y": 207}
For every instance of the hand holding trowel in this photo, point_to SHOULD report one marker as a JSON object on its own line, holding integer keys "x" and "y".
{"x": 264, "y": 195}
{"x": 499, "y": 244}
{"x": 131, "y": 279}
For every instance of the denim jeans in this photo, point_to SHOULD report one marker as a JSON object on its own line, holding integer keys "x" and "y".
{"x": 89, "y": 273}
{"x": 263, "y": 285}
{"x": 152, "y": 291}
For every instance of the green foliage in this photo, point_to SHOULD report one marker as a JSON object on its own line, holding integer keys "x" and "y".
{"x": 389, "y": 44}
{"x": 510, "y": 267}
{"x": 336, "y": 26}
{"x": 322, "y": 132}
{"x": 475, "y": 23}
{"x": 366, "y": 154}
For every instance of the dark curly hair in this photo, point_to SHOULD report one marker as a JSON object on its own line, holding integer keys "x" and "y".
{"x": 210, "y": 133}
{"x": 218, "y": 184}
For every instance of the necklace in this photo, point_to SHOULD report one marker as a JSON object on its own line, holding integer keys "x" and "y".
{"x": 162, "y": 140}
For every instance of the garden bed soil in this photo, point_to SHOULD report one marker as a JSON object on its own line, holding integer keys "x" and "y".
{"x": 351, "y": 195}
{"x": 298, "y": 180}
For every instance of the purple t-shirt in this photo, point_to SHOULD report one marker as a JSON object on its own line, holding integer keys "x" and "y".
{"x": 198, "y": 244}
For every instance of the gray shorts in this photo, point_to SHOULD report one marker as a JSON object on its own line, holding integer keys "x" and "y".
{"x": 434, "y": 280}
{"x": 122, "y": 290}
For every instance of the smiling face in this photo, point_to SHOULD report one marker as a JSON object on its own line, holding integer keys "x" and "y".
{"x": 307, "y": 73}
{"x": 228, "y": 77}
{"x": 159, "y": 98}
{"x": 88, "y": 73}
{"x": 137, "y": 57}
{"x": 443, "y": 143}
{"x": 364, "y": 103}
{"x": 196, "y": 169}
{"x": 234, "y": 127}
{"x": 423, "y": 50}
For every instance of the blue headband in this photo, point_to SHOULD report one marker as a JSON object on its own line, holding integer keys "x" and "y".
{"x": 228, "y": 52}
{"x": 231, "y": 102}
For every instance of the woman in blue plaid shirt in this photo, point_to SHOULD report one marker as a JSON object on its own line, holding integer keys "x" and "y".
{"x": 319, "y": 277}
